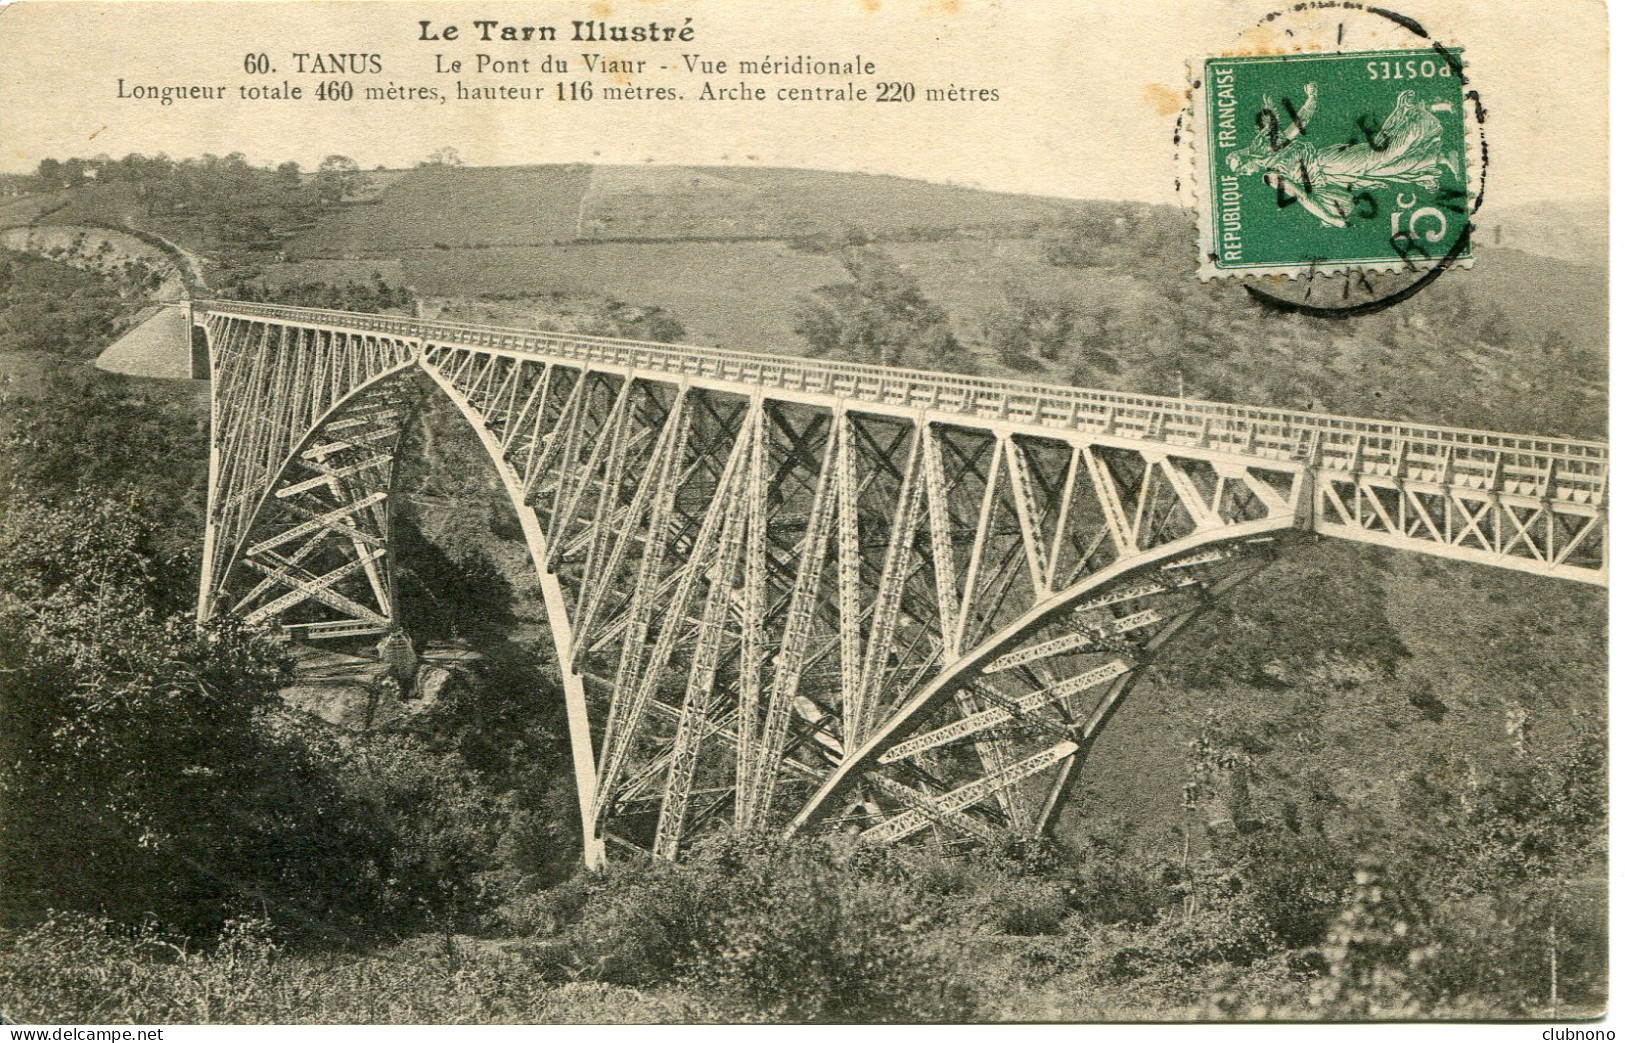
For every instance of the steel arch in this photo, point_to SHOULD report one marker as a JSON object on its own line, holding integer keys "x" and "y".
{"x": 789, "y": 594}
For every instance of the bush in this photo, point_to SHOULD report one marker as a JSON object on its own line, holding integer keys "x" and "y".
{"x": 73, "y": 968}
{"x": 1027, "y": 906}
{"x": 816, "y": 945}
{"x": 799, "y": 930}
{"x": 1107, "y": 884}
{"x": 879, "y": 317}
{"x": 1222, "y": 927}
{"x": 1228, "y": 930}
{"x": 1298, "y": 882}
{"x": 143, "y": 761}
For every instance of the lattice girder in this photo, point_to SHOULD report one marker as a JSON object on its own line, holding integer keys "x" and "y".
{"x": 793, "y": 595}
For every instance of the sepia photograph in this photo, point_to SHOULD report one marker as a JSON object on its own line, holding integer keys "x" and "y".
{"x": 883, "y": 511}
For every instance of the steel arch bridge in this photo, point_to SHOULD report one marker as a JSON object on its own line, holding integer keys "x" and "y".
{"x": 788, "y": 594}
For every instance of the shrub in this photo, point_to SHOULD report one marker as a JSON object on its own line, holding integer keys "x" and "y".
{"x": 1107, "y": 883}
{"x": 1227, "y": 931}
{"x": 1297, "y": 881}
{"x": 66, "y": 960}
{"x": 819, "y": 946}
{"x": 145, "y": 763}
{"x": 646, "y": 924}
{"x": 1030, "y": 906}
{"x": 798, "y": 930}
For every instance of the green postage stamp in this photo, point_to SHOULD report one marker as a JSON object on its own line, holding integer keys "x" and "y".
{"x": 1324, "y": 162}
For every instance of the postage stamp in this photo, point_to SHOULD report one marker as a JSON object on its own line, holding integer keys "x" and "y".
{"x": 1324, "y": 162}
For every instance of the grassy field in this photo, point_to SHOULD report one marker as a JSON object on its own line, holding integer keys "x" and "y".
{"x": 529, "y": 206}
{"x": 750, "y": 202}
{"x": 973, "y": 278}
{"x": 21, "y": 210}
{"x": 737, "y": 295}
{"x": 454, "y": 206}
{"x": 390, "y": 269}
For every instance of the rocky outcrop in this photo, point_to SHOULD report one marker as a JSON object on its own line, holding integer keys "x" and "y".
{"x": 362, "y": 694}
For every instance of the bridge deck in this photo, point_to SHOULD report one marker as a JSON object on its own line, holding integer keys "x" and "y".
{"x": 1565, "y": 470}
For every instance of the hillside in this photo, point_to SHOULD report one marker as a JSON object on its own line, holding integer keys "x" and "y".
{"x": 454, "y": 206}
{"x": 1473, "y": 350}
{"x": 437, "y": 207}
{"x": 731, "y": 252}
{"x": 1569, "y": 230}
{"x": 1439, "y": 717}
{"x": 1343, "y": 671}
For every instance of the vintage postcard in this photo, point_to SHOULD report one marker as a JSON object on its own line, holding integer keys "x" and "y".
{"x": 861, "y": 511}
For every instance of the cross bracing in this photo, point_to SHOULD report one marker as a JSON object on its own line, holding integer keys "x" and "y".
{"x": 789, "y": 594}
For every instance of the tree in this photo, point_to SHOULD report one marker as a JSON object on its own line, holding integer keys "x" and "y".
{"x": 1503, "y": 859}
{"x": 287, "y": 176}
{"x": 880, "y": 317}
{"x": 50, "y": 175}
{"x": 337, "y": 177}
{"x": 1028, "y": 325}
{"x": 443, "y": 157}
{"x": 87, "y": 430}
{"x": 137, "y": 776}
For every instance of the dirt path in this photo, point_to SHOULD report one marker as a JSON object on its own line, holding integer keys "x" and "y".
{"x": 194, "y": 262}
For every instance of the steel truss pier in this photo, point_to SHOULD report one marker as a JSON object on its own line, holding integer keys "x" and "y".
{"x": 788, "y": 594}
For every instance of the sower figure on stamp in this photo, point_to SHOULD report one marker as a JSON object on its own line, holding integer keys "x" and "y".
{"x": 1408, "y": 150}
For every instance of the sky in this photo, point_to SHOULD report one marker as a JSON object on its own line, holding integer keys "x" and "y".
{"x": 1087, "y": 91}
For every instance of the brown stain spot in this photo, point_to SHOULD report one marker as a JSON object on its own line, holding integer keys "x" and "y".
{"x": 98, "y": 130}
{"x": 1251, "y": 52}
{"x": 869, "y": 6}
{"x": 1262, "y": 40}
{"x": 949, "y": 8}
{"x": 1163, "y": 99}
{"x": 1257, "y": 41}
{"x": 600, "y": 8}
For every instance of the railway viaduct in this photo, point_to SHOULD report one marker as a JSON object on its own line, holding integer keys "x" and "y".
{"x": 791, "y": 594}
